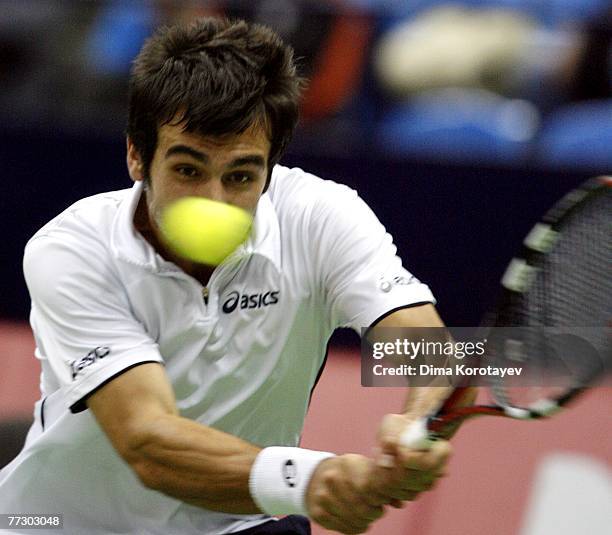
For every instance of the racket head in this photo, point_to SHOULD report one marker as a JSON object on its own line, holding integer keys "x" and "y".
{"x": 557, "y": 295}
{"x": 554, "y": 310}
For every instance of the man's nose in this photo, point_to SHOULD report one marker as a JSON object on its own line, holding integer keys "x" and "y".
{"x": 214, "y": 190}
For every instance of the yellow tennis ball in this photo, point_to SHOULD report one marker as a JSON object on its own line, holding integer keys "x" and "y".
{"x": 204, "y": 231}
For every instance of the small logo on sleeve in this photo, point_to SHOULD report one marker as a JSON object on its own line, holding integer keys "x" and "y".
{"x": 290, "y": 473}
{"x": 386, "y": 285}
{"x": 76, "y": 366}
{"x": 404, "y": 281}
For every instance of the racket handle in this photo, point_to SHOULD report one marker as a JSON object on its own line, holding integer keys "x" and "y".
{"x": 417, "y": 436}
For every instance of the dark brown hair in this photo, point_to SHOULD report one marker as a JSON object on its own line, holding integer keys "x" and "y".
{"x": 216, "y": 77}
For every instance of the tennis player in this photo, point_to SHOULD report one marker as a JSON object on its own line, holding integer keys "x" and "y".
{"x": 174, "y": 394}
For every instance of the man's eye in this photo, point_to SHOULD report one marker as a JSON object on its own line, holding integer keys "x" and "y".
{"x": 239, "y": 178}
{"x": 187, "y": 171}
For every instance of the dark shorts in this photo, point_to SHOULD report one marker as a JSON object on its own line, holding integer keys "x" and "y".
{"x": 289, "y": 525}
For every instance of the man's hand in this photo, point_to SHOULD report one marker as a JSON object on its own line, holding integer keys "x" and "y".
{"x": 340, "y": 495}
{"x": 403, "y": 473}
{"x": 347, "y": 493}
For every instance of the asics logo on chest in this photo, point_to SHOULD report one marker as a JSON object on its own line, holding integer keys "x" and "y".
{"x": 236, "y": 300}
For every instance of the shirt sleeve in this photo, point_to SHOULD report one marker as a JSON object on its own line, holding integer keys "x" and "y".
{"x": 81, "y": 317}
{"x": 363, "y": 278}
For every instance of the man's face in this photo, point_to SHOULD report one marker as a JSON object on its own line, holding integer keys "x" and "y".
{"x": 232, "y": 169}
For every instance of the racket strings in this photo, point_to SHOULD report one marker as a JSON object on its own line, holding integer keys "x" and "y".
{"x": 571, "y": 289}
{"x": 573, "y": 286}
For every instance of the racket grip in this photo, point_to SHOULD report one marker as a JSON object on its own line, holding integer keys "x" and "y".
{"x": 417, "y": 436}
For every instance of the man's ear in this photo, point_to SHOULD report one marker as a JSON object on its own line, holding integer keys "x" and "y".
{"x": 134, "y": 162}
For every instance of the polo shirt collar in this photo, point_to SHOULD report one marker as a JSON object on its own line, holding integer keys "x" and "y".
{"x": 129, "y": 245}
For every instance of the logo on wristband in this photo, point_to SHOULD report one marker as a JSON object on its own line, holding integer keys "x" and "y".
{"x": 290, "y": 473}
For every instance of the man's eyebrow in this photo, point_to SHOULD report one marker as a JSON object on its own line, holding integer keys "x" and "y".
{"x": 253, "y": 159}
{"x": 184, "y": 149}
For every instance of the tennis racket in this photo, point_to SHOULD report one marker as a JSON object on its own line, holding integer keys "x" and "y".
{"x": 561, "y": 279}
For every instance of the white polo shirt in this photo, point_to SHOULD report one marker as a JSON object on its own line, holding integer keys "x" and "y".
{"x": 243, "y": 361}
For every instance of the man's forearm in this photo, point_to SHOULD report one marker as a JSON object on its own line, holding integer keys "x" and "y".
{"x": 194, "y": 463}
{"x": 422, "y": 401}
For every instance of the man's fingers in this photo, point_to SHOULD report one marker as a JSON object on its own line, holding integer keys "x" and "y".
{"x": 335, "y": 524}
{"x": 406, "y": 495}
{"x": 354, "y": 504}
{"x": 391, "y": 428}
{"x": 415, "y": 482}
{"x": 418, "y": 479}
{"x": 337, "y": 501}
{"x": 384, "y": 460}
{"x": 431, "y": 460}
{"x": 328, "y": 516}
{"x": 332, "y": 507}
{"x": 401, "y": 473}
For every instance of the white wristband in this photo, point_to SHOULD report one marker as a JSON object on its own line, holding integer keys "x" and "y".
{"x": 280, "y": 476}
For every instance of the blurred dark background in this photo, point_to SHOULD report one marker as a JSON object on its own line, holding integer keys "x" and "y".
{"x": 458, "y": 122}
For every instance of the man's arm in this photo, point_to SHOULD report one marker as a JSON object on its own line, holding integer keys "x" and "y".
{"x": 174, "y": 455}
{"x": 211, "y": 469}
{"x": 417, "y": 468}
{"x": 422, "y": 401}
